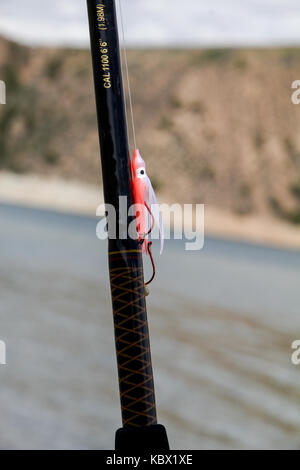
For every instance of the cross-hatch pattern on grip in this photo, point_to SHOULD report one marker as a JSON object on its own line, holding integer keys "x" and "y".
{"x": 133, "y": 346}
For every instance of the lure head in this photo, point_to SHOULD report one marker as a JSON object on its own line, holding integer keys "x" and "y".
{"x": 138, "y": 166}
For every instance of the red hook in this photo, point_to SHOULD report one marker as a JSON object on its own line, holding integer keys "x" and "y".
{"x": 149, "y": 245}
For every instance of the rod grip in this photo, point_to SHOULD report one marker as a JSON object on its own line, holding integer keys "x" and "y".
{"x": 132, "y": 339}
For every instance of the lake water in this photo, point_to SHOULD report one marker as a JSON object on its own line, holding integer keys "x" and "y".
{"x": 222, "y": 322}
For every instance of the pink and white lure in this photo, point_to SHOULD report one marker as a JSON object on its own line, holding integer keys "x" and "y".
{"x": 147, "y": 208}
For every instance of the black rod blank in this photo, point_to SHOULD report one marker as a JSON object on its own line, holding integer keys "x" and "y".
{"x": 125, "y": 258}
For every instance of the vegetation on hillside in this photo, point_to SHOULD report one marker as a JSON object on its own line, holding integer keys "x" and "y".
{"x": 214, "y": 126}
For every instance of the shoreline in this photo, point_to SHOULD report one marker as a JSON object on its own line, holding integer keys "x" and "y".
{"x": 83, "y": 199}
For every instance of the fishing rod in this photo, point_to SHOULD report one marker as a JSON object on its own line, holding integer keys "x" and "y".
{"x": 140, "y": 429}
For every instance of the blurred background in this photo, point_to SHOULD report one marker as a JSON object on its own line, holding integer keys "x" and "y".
{"x": 216, "y": 125}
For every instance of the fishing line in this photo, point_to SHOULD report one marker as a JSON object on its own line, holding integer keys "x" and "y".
{"x": 127, "y": 75}
{"x": 134, "y": 134}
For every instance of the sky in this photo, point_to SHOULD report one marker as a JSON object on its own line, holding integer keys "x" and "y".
{"x": 157, "y": 23}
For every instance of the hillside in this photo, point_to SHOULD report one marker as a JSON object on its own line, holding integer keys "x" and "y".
{"x": 214, "y": 126}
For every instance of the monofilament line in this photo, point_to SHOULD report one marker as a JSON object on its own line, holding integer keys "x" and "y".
{"x": 127, "y": 75}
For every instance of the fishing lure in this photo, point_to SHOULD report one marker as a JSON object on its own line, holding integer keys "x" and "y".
{"x": 146, "y": 206}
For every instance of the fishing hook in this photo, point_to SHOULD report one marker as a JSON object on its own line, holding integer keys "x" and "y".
{"x": 149, "y": 246}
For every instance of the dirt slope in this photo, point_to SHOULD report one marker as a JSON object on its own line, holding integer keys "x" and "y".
{"x": 214, "y": 126}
